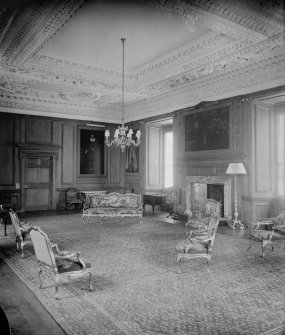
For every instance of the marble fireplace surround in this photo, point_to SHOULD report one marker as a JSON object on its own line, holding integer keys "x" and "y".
{"x": 224, "y": 180}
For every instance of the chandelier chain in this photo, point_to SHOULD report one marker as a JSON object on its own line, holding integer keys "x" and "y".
{"x": 123, "y": 136}
{"x": 123, "y": 82}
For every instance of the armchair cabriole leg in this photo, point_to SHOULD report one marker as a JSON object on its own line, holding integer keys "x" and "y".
{"x": 179, "y": 264}
{"x": 262, "y": 249}
{"x": 56, "y": 279}
{"x": 90, "y": 282}
{"x": 40, "y": 277}
{"x": 249, "y": 247}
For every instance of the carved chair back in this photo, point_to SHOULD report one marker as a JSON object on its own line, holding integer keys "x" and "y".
{"x": 210, "y": 207}
{"x": 212, "y": 228}
{"x": 73, "y": 198}
{"x": 280, "y": 219}
{"x": 16, "y": 224}
{"x": 43, "y": 248}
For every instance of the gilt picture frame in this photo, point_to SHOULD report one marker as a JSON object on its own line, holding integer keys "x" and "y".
{"x": 91, "y": 151}
{"x": 208, "y": 130}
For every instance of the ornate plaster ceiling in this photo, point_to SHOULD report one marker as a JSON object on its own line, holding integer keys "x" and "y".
{"x": 63, "y": 58}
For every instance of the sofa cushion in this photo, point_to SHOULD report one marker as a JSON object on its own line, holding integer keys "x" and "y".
{"x": 111, "y": 211}
{"x": 113, "y": 200}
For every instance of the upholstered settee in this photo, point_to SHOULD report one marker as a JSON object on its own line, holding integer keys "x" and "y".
{"x": 112, "y": 205}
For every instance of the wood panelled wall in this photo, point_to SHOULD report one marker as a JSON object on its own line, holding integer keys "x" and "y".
{"x": 260, "y": 197}
{"x": 7, "y": 151}
{"x": 22, "y": 136}
{"x": 252, "y": 141}
{"x": 209, "y": 162}
{"x": 251, "y": 130}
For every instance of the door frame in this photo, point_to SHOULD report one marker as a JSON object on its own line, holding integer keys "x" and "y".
{"x": 36, "y": 151}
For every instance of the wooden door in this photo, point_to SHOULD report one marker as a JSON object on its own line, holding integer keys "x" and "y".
{"x": 38, "y": 183}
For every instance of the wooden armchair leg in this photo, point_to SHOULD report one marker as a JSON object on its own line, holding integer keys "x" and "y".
{"x": 90, "y": 282}
{"x": 249, "y": 247}
{"x": 179, "y": 266}
{"x": 22, "y": 250}
{"x": 40, "y": 277}
{"x": 56, "y": 279}
{"x": 262, "y": 249}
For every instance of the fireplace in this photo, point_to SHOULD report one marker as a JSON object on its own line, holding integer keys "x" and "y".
{"x": 199, "y": 188}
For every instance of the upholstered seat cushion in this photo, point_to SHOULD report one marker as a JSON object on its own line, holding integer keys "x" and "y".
{"x": 111, "y": 211}
{"x": 261, "y": 235}
{"x": 191, "y": 246}
{"x": 25, "y": 228}
{"x": 181, "y": 246}
{"x": 68, "y": 265}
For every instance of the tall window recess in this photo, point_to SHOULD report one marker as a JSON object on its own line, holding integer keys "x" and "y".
{"x": 168, "y": 158}
{"x": 159, "y": 155}
{"x": 281, "y": 154}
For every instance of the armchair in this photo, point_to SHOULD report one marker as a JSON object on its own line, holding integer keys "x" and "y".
{"x": 60, "y": 263}
{"x": 198, "y": 245}
{"x": 172, "y": 199}
{"x": 199, "y": 217}
{"x": 275, "y": 232}
{"x": 74, "y": 199}
{"x": 22, "y": 232}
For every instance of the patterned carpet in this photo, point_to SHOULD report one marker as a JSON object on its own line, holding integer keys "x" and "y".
{"x": 137, "y": 287}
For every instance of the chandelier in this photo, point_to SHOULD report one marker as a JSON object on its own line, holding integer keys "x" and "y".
{"x": 123, "y": 136}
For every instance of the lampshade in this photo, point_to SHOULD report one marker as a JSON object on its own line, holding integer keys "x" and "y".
{"x": 236, "y": 168}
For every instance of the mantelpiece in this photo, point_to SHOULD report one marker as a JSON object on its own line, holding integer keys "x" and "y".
{"x": 191, "y": 181}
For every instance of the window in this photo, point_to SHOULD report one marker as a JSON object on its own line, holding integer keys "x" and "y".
{"x": 281, "y": 154}
{"x": 159, "y": 155}
{"x": 168, "y": 159}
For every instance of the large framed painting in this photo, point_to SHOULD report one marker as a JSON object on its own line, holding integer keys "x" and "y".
{"x": 132, "y": 159}
{"x": 207, "y": 130}
{"x": 91, "y": 152}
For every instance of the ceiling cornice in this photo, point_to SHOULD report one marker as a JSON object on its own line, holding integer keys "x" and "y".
{"x": 50, "y": 16}
{"x": 243, "y": 51}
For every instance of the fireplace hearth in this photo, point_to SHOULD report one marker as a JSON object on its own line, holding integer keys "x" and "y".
{"x": 200, "y": 188}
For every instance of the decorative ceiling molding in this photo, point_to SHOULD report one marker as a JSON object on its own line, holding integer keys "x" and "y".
{"x": 251, "y": 78}
{"x": 219, "y": 16}
{"x": 50, "y": 16}
{"x": 243, "y": 52}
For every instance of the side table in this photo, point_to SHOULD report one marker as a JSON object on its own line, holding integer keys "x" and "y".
{"x": 153, "y": 200}
{"x": 4, "y": 215}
